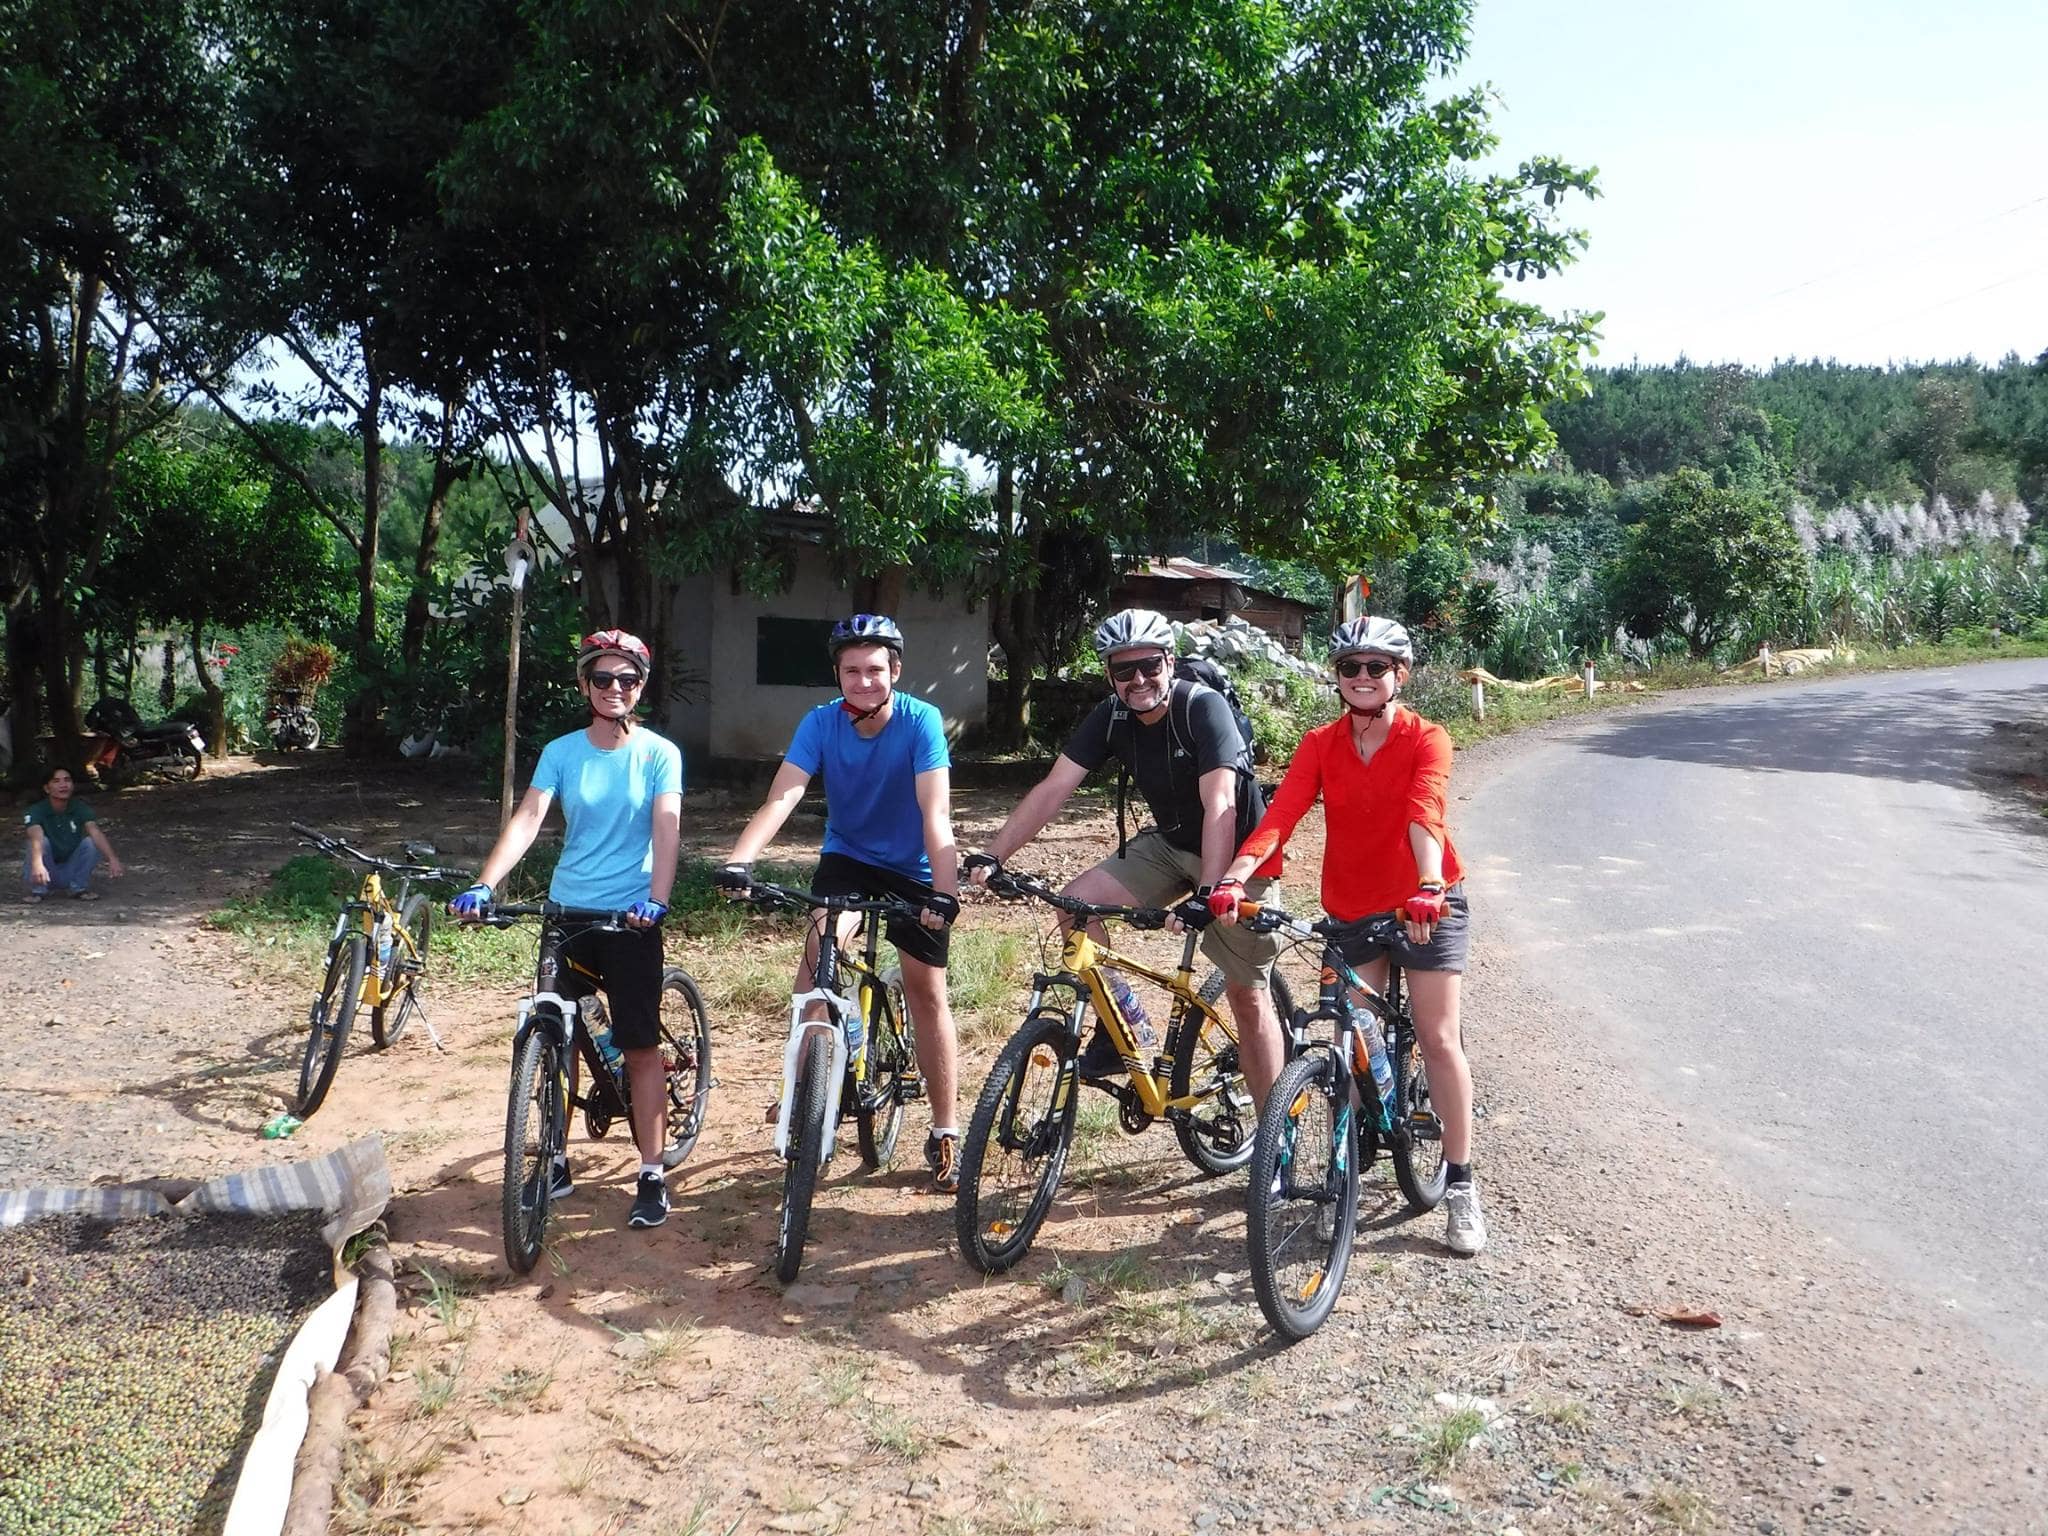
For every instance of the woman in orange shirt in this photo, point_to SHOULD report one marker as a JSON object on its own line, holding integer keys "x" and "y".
{"x": 1382, "y": 771}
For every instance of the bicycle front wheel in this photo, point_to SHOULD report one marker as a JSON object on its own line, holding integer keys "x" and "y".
{"x": 686, "y": 1062}
{"x": 333, "y": 1013}
{"x": 879, "y": 1114}
{"x": 404, "y": 972}
{"x": 1418, "y": 1141}
{"x": 1302, "y": 1209}
{"x": 536, "y": 1133}
{"x": 806, "y": 1153}
{"x": 1017, "y": 1144}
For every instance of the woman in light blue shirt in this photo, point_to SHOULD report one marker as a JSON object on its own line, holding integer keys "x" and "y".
{"x": 621, "y": 788}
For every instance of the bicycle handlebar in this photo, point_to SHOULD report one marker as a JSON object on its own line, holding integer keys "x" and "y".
{"x": 503, "y": 915}
{"x": 1263, "y": 917}
{"x": 333, "y": 846}
{"x": 764, "y": 894}
{"x": 1013, "y": 885}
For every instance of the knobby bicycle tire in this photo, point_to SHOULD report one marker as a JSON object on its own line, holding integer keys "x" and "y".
{"x": 1216, "y": 1134}
{"x": 327, "y": 1026}
{"x": 878, "y": 1112}
{"x": 389, "y": 1018}
{"x": 994, "y": 1234}
{"x": 806, "y": 1156}
{"x": 686, "y": 1058}
{"x": 536, "y": 1128}
{"x": 1289, "y": 1204}
{"x": 1419, "y": 1158}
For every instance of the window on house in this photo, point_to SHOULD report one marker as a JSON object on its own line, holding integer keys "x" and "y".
{"x": 790, "y": 653}
{"x": 1212, "y": 611}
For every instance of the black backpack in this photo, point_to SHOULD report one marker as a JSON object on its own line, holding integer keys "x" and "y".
{"x": 1190, "y": 674}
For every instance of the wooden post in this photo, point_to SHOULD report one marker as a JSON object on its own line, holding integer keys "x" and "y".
{"x": 518, "y": 557}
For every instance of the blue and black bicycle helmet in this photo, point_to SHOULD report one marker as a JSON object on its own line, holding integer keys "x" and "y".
{"x": 866, "y": 629}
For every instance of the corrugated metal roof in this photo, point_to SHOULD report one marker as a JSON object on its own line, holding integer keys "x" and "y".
{"x": 1176, "y": 568}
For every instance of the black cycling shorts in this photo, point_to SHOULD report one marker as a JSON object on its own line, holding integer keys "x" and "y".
{"x": 838, "y": 875}
{"x": 629, "y": 964}
{"x": 1449, "y": 942}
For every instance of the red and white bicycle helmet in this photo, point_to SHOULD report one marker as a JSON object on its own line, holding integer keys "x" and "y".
{"x": 613, "y": 642}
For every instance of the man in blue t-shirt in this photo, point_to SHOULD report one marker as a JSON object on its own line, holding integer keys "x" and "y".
{"x": 888, "y": 832}
{"x": 621, "y": 788}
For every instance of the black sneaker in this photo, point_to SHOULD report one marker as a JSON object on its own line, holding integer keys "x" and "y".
{"x": 561, "y": 1184}
{"x": 1098, "y": 1056}
{"x": 942, "y": 1156}
{"x": 650, "y": 1202}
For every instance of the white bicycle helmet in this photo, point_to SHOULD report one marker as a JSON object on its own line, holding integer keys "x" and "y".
{"x": 1131, "y": 629}
{"x": 1383, "y": 637}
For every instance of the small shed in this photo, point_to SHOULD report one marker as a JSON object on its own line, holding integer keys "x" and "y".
{"x": 1187, "y": 590}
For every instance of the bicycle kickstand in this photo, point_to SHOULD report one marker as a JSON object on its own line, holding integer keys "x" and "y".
{"x": 413, "y": 1005}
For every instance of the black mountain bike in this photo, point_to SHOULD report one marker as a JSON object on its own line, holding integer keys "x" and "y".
{"x": 1325, "y": 1122}
{"x": 857, "y": 1060}
{"x": 553, "y": 1033}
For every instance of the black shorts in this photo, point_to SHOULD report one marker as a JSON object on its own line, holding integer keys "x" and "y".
{"x": 1449, "y": 942}
{"x": 629, "y": 964}
{"x": 838, "y": 875}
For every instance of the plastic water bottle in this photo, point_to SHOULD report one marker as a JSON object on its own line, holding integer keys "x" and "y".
{"x": 385, "y": 944}
{"x": 600, "y": 1026}
{"x": 1133, "y": 1011}
{"x": 1374, "y": 1049}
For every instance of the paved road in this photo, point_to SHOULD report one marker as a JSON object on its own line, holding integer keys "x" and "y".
{"x": 1814, "y": 934}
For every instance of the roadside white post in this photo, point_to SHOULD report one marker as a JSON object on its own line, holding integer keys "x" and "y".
{"x": 1478, "y": 699}
{"x": 518, "y": 561}
{"x": 1764, "y": 655}
{"x": 1587, "y": 677}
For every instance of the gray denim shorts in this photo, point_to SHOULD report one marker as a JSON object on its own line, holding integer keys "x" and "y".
{"x": 1449, "y": 942}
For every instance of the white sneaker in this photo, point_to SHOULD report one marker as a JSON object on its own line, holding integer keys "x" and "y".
{"x": 1465, "y": 1232}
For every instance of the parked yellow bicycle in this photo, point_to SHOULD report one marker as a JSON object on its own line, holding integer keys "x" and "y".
{"x": 1016, "y": 1147}
{"x": 376, "y": 958}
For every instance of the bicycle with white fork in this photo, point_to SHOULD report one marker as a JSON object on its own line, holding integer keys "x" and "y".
{"x": 862, "y": 1044}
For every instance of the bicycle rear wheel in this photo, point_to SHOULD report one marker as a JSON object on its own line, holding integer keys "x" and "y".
{"x": 686, "y": 1060}
{"x": 328, "y": 1024}
{"x": 404, "y": 972}
{"x": 806, "y": 1153}
{"x": 1017, "y": 1144}
{"x": 1302, "y": 1211}
{"x": 536, "y": 1133}
{"x": 879, "y": 1115}
{"x": 1418, "y": 1141}
{"x": 1216, "y": 1134}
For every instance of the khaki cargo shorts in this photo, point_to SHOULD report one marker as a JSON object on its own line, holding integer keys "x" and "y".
{"x": 1157, "y": 874}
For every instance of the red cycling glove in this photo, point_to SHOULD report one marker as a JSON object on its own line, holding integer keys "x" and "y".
{"x": 1224, "y": 898}
{"x": 1425, "y": 906}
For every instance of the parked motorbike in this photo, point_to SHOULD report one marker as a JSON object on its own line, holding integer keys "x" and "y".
{"x": 292, "y": 725}
{"x": 172, "y": 748}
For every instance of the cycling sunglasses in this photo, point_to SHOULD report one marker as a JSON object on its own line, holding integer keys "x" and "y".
{"x": 1377, "y": 668}
{"x": 625, "y": 682}
{"x": 1124, "y": 671}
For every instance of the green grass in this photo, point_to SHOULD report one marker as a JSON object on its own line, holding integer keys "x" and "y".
{"x": 1445, "y": 1439}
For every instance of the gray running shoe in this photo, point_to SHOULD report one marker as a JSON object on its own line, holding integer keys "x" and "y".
{"x": 650, "y": 1203}
{"x": 1465, "y": 1232}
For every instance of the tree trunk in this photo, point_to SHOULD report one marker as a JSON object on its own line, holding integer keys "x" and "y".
{"x": 167, "y": 685}
{"x": 24, "y": 714}
{"x": 60, "y": 698}
{"x": 216, "y": 700}
{"x": 101, "y": 686}
{"x": 446, "y": 473}
{"x": 1013, "y": 615}
{"x": 364, "y": 734}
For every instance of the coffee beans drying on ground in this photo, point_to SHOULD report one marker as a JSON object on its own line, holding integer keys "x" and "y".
{"x": 135, "y": 1360}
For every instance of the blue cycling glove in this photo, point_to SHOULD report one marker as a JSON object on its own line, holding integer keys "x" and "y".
{"x": 471, "y": 903}
{"x": 648, "y": 911}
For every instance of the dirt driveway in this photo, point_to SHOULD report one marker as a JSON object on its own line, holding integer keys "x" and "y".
{"x": 1120, "y": 1380}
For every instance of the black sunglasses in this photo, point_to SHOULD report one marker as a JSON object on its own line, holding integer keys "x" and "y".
{"x": 1124, "y": 671}
{"x": 625, "y": 682}
{"x": 1377, "y": 668}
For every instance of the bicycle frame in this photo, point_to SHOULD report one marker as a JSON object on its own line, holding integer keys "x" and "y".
{"x": 840, "y": 1011}
{"x": 1083, "y": 963}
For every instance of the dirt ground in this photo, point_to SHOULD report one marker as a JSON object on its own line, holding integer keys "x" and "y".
{"x": 1120, "y": 1380}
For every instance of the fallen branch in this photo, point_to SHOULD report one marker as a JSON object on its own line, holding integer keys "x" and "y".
{"x": 338, "y": 1393}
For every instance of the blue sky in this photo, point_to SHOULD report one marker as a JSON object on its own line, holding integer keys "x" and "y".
{"x": 1807, "y": 178}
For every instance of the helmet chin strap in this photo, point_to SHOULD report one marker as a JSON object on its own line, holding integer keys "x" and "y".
{"x": 860, "y": 715}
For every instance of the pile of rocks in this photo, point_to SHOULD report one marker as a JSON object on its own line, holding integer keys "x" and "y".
{"x": 1233, "y": 641}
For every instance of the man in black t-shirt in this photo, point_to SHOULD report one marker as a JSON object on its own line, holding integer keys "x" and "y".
{"x": 1191, "y": 784}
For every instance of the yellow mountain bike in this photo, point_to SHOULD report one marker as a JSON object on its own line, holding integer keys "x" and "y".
{"x": 1016, "y": 1147}
{"x": 375, "y": 959}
